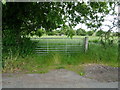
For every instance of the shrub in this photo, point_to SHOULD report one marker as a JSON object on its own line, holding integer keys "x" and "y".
{"x": 116, "y": 34}
{"x": 50, "y": 33}
{"x": 90, "y": 33}
{"x": 70, "y": 32}
{"x": 100, "y": 32}
{"x": 81, "y": 32}
{"x": 39, "y": 32}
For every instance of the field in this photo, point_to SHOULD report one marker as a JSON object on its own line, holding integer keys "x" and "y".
{"x": 42, "y": 63}
{"x": 63, "y": 44}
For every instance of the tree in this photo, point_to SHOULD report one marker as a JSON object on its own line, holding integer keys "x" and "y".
{"x": 81, "y": 32}
{"x": 70, "y": 32}
{"x": 39, "y": 32}
{"x": 23, "y": 18}
{"x": 90, "y": 33}
{"x": 50, "y": 15}
{"x": 100, "y": 32}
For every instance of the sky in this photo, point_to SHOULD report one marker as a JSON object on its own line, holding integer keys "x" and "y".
{"x": 104, "y": 28}
{"x": 107, "y": 20}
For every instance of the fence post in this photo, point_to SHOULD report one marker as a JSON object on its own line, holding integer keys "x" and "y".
{"x": 86, "y": 44}
{"x": 47, "y": 45}
{"x": 66, "y": 46}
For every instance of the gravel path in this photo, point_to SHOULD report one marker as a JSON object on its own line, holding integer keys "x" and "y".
{"x": 101, "y": 72}
{"x": 62, "y": 78}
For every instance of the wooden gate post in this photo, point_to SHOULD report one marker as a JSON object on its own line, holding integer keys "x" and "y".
{"x": 86, "y": 44}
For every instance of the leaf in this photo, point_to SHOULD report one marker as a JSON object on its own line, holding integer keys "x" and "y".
{"x": 3, "y": 1}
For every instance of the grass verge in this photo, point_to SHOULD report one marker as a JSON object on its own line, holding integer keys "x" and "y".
{"x": 43, "y": 63}
{"x": 37, "y": 63}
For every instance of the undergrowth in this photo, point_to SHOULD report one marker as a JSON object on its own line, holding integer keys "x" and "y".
{"x": 37, "y": 63}
{"x": 26, "y": 61}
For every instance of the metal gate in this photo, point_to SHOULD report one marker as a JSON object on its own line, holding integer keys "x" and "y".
{"x": 59, "y": 45}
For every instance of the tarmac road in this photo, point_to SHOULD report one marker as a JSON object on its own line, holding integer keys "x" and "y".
{"x": 60, "y": 78}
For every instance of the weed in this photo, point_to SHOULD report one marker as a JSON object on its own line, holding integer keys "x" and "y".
{"x": 36, "y": 63}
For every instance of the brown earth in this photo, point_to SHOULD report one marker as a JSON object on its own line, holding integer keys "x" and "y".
{"x": 101, "y": 72}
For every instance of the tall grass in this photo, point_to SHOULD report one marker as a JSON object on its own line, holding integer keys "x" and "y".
{"x": 37, "y": 63}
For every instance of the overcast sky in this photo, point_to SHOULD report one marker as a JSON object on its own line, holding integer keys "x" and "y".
{"x": 108, "y": 18}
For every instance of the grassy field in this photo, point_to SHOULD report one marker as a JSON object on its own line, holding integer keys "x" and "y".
{"x": 37, "y": 63}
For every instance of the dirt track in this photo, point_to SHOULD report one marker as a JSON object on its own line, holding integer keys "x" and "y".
{"x": 97, "y": 76}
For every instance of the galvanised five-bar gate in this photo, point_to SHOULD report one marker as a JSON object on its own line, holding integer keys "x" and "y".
{"x": 60, "y": 45}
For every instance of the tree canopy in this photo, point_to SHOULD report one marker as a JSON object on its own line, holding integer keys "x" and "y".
{"x": 23, "y": 18}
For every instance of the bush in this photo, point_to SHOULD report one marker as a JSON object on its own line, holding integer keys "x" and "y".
{"x": 39, "y": 32}
{"x": 90, "y": 33}
{"x": 81, "y": 32}
{"x": 100, "y": 32}
{"x": 116, "y": 34}
{"x": 50, "y": 33}
{"x": 70, "y": 32}
{"x": 94, "y": 41}
{"x": 16, "y": 44}
{"x": 61, "y": 32}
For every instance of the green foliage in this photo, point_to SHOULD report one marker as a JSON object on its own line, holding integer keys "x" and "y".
{"x": 32, "y": 33}
{"x": 43, "y": 63}
{"x": 82, "y": 73}
{"x": 70, "y": 32}
{"x": 90, "y": 33}
{"x": 39, "y": 32}
{"x": 100, "y": 32}
{"x": 22, "y": 19}
{"x": 81, "y": 32}
{"x": 4, "y": 1}
{"x": 14, "y": 45}
{"x": 94, "y": 41}
{"x": 8, "y": 38}
{"x": 51, "y": 15}
{"x": 26, "y": 47}
{"x": 115, "y": 33}
{"x": 67, "y": 30}
{"x": 107, "y": 38}
{"x": 62, "y": 32}
{"x": 51, "y": 33}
